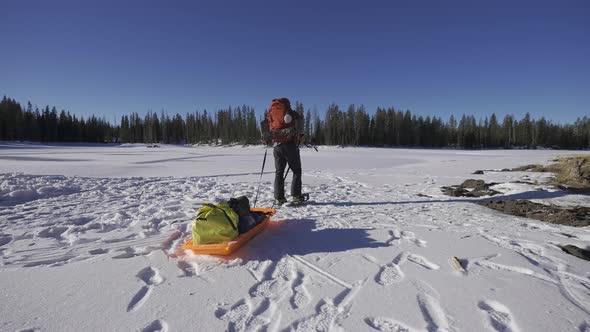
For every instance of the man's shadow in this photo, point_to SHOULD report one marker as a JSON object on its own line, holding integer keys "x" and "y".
{"x": 534, "y": 194}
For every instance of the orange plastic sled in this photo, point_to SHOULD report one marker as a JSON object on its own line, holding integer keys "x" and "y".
{"x": 227, "y": 248}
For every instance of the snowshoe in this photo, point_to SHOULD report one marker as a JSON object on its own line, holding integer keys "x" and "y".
{"x": 280, "y": 202}
{"x": 299, "y": 200}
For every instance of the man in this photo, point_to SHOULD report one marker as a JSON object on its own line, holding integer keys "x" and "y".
{"x": 280, "y": 128}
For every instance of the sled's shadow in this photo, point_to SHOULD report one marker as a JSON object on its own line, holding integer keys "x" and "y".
{"x": 301, "y": 237}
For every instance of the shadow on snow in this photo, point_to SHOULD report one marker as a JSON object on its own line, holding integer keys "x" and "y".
{"x": 301, "y": 237}
{"x": 523, "y": 195}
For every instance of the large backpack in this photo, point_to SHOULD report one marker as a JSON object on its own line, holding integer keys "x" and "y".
{"x": 281, "y": 121}
{"x": 215, "y": 224}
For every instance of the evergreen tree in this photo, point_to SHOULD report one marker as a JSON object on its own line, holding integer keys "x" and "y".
{"x": 361, "y": 135}
{"x": 308, "y": 126}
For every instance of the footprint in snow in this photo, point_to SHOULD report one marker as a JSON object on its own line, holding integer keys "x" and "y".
{"x": 262, "y": 316}
{"x": 188, "y": 269}
{"x": 422, "y": 262}
{"x": 130, "y": 252}
{"x": 410, "y": 236}
{"x": 301, "y": 296}
{"x": 259, "y": 310}
{"x": 151, "y": 277}
{"x": 279, "y": 285}
{"x": 429, "y": 303}
{"x": 389, "y": 274}
{"x": 323, "y": 320}
{"x": 275, "y": 289}
{"x": 237, "y": 316}
{"x": 247, "y": 316}
{"x": 52, "y": 232}
{"x": 387, "y": 325}
{"x": 330, "y": 312}
{"x": 258, "y": 269}
{"x": 5, "y": 239}
{"x": 99, "y": 251}
{"x": 395, "y": 237}
{"x": 285, "y": 269}
{"x": 499, "y": 315}
{"x": 420, "y": 243}
{"x": 156, "y": 326}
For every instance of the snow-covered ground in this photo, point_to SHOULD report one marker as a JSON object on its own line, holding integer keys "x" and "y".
{"x": 86, "y": 235}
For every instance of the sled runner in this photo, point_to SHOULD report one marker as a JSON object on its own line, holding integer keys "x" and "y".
{"x": 227, "y": 248}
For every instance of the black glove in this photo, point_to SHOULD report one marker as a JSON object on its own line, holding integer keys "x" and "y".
{"x": 287, "y": 132}
{"x": 267, "y": 139}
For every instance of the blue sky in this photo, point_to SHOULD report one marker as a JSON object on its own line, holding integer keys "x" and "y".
{"x": 430, "y": 57}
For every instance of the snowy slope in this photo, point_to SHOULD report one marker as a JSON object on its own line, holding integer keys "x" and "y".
{"x": 86, "y": 235}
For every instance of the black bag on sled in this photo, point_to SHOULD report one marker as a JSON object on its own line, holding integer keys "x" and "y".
{"x": 241, "y": 205}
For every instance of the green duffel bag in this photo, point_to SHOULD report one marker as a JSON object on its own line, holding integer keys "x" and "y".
{"x": 215, "y": 224}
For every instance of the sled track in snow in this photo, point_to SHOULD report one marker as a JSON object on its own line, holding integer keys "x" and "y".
{"x": 119, "y": 249}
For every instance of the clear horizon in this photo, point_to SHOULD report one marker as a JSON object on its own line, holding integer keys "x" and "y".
{"x": 111, "y": 59}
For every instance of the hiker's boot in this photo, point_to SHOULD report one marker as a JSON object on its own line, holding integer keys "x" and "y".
{"x": 298, "y": 199}
{"x": 301, "y": 198}
{"x": 280, "y": 201}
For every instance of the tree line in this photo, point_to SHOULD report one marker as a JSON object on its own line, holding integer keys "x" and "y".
{"x": 353, "y": 126}
{"x": 390, "y": 127}
{"x": 46, "y": 125}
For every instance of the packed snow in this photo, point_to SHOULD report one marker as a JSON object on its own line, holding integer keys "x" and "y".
{"x": 90, "y": 240}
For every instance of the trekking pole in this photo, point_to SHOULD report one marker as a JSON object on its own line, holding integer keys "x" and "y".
{"x": 260, "y": 181}
{"x": 311, "y": 146}
{"x": 286, "y": 173}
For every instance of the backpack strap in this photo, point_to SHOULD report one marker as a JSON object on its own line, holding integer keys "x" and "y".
{"x": 200, "y": 213}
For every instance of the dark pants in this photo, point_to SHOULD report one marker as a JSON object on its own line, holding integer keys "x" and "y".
{"x": 287, "y": 153}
